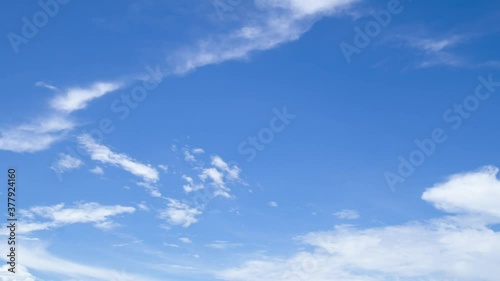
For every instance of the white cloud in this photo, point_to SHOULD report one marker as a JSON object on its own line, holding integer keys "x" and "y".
{"x": 58, "y": 215}
{"x": 277, "y": 22}
{"x": 151, "y": 187}
{"x": 347, "y": 214}
{"x": 42, "y": 261}
{"x": 66, "y": 162}
{"x": 198, "y": 151}
{"x": 35, "y": 136}
{"x": 103, "y": 154}
{"x": 78, "y": 98}
{"x": 219, "y": 174}
{"x": 143, "y": 206}
{"x": 460, "y": 247}
{"x": 222, "y": 245}
{"x": 185, "y": 240}
{"x": 42, "y": 132}
{"x": 272, "y": 204}
{"x": 97, "y": 170}
{"x": 174, "y": 148}
{"x": 302, "y": 8}
{"x": 191, "y": 186}
{"x": 435, "y": 249}
{"x": 46, "y": 85}
{"x": 188, "y": 156}
{"x": 475, "y": 193}
{"x": 217, "y": 179}
{"x": 233, "y": 172}
{"x": 437, "y": 45}
{"x": 179, "y": 213}
{"x": 436, "y": 51}
{"x": 163, "y": 167}
{"x": 22, "y": 273}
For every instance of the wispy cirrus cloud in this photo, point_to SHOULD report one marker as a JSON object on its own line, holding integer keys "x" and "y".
{"x": 219, "y": 174}
{"x": 43, "y": 261}
{"x": 475, "y": 193}
{"x": 276, "y": 23}
{"x": 105, "y": 155}
{"x": 431, "y": 50}
{"x": 77, "y": 98}
{"x": 41, "y": 133}
{"x": 22, "y": 273}
{"x": 223, "y": 245}
{"x": 35, "y": 136}
{"x": 46, "y": 217}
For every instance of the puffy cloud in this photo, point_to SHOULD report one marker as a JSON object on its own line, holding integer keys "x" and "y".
{"x": 58, "y": 215}
{"x": 179, "y": 213}
{"x": 66, "y": 162}
{"x": 219, "y": 174}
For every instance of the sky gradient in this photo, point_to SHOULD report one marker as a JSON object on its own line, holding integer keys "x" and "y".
{"x": 317, "y": 140}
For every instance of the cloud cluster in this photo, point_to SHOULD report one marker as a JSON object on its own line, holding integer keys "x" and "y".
{"x": 474, "y": 193}
{"x": 180, "y": 213}
{"x": 35, "y": 136}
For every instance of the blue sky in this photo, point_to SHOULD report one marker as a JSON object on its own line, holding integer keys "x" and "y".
{"x": 252, "y": 140}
